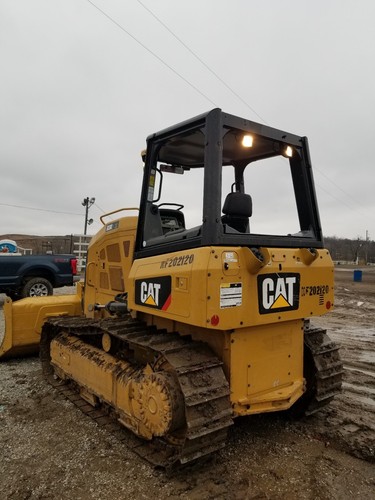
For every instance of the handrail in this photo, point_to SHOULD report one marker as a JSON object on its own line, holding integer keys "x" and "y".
{"x": 115, "y": 212}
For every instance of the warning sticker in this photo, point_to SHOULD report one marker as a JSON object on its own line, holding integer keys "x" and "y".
{"x": 230, "y": 295}
{"x": 230, "y": 257}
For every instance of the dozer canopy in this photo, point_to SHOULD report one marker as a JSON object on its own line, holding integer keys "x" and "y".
{"x": 226, "y": 167}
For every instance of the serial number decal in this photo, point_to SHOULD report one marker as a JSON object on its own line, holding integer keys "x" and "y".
{"x": 183, "y": 260}
{"x": 314, "y": 290}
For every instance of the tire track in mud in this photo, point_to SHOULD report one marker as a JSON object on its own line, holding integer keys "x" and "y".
{"x": 350, "y": 420}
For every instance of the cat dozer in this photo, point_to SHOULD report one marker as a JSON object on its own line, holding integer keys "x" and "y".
{"x": 196, "y": 308}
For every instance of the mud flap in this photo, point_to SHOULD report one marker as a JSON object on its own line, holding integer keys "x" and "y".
{"x": 23, "y": 321}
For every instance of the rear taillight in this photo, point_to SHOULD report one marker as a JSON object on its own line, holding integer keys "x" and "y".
{"x": 73, "y": 265}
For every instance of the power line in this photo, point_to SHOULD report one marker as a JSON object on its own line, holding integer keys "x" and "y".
{"x": 334, "y": 197}
{"x": 39, "y": 209}
{"x": 151, "y": 52}
{"x": 202, "y": 62}
{"x": 236, "y": 94}
{"x": 100, "y": 208}
{"x": 209, "y": 69}
{"x": 338, "y": 187}
{"x": 353, "y": 209}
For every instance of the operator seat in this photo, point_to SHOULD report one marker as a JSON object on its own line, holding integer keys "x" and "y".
{"x": 237, "y": 209}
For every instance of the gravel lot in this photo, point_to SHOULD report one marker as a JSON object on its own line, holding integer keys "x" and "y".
{"x": 49, "y": 449}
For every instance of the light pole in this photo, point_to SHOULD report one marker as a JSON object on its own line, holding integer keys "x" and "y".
{"x": 87, "y": 203}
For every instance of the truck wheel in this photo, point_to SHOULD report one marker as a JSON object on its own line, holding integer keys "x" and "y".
{"x": 37, "y": 287}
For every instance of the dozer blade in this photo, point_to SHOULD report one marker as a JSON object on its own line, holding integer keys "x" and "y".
{"x": 23, "y": 321}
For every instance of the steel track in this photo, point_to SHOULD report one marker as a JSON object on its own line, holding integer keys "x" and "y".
{"x": 199, "y": 372}
{"x": 201, "y": 380}
{"x": 326, "y": 369}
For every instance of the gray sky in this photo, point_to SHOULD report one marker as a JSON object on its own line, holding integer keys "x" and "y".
{"x": 79, "y": 96}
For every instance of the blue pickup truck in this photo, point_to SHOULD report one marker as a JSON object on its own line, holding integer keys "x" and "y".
{"x": 36, "y": 275}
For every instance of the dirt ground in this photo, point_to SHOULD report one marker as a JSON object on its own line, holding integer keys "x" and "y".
{"x": 51, "y": 450}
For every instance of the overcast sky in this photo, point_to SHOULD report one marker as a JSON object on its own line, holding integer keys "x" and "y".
{"x": 79, "y": 94}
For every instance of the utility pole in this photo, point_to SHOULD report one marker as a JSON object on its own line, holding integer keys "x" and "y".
{"x": 366, "y": 245}
{"x": 87, "y": 203}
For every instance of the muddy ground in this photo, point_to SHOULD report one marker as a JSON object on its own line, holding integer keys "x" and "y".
{"x": 48, "y": 449}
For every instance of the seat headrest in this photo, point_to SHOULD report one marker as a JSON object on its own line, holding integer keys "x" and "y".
{"x": 238, "y": 204}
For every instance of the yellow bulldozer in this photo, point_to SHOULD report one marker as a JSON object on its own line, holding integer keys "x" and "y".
{"x": 195, "y": 308}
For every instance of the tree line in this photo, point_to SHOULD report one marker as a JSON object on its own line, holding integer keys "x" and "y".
{"x": 357, "y": 251}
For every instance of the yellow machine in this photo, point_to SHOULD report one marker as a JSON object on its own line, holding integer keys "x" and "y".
{"x": 196, "y": 310}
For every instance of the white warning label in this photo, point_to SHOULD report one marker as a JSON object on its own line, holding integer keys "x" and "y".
{"x": 230, "y": 295}
{"x": 230, "y": 257}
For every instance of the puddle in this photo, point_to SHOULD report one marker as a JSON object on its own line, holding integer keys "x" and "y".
{"x": 361, "y": 332}
{"x": 359, "y": 388}
{"x": 367, "y": 357}
{"x": 355, "y": 369}
{"x": 365, "y": 400}
{"x": 350, "y": 428}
